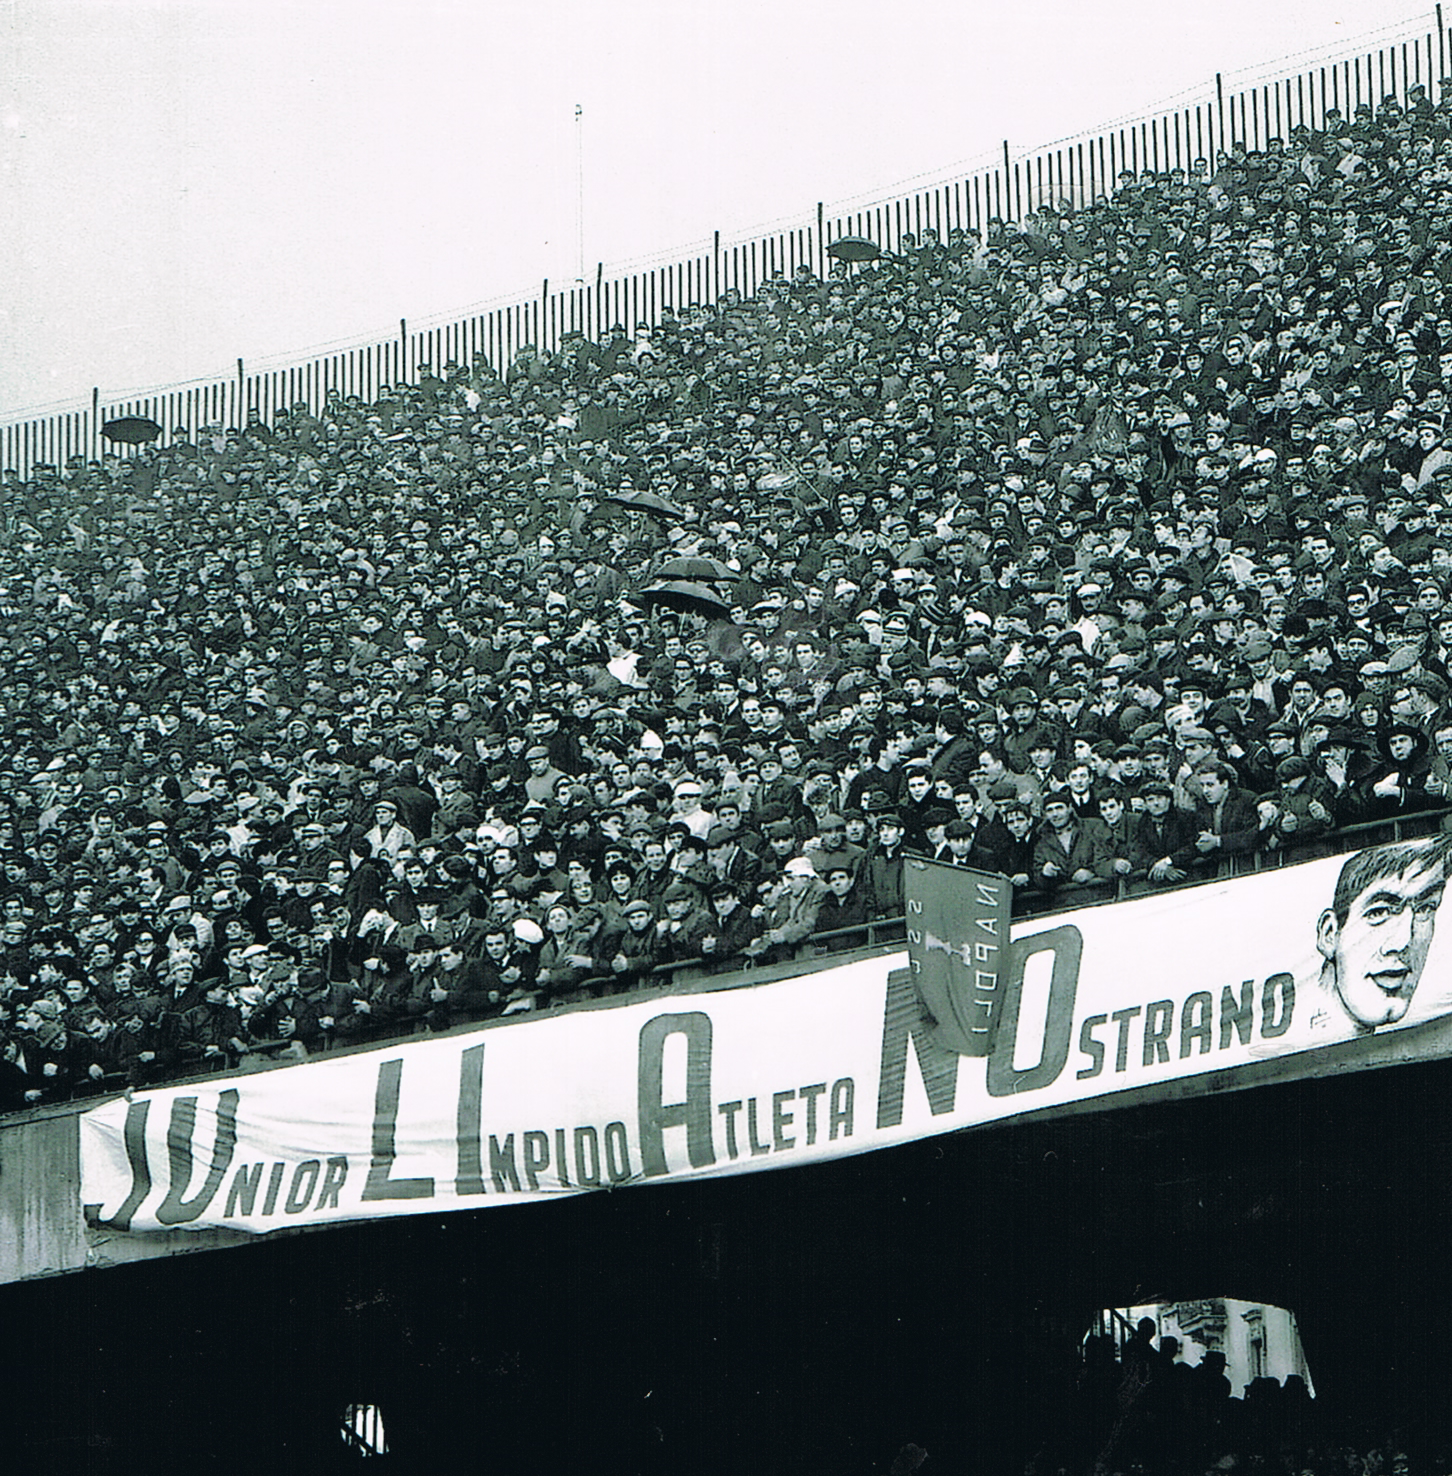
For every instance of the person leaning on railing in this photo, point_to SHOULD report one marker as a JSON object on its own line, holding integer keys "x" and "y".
{"x": 566, "y": 958}
{"x": 735, "y": 928}
{"x": 1164, "y": 836}
{"x": 843, "y": 908}
{"x": 1296, "y": 816}
{"x": 506, "y": 970}
{"x": 791, "y": 913}
{"x": 1071, "y": 858}
{"x": 1226, "y": 820}
{"x": 1398, "y": 783}
{"x": 882, "y": 870}
{"x": 632, "y": 949}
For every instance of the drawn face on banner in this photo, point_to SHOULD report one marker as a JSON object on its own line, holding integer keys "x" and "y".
{"x": 1376, "y": 934}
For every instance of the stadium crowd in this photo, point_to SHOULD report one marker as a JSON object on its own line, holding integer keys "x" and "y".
{"x": 1108, "y": 552}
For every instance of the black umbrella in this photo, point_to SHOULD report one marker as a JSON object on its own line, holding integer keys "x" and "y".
{"x": 696, "y": 566}
{"x": 131, "y": 430}
{"x": 854, "y": 248}
{"x": 647, "y": 502}
{"x": 685, "y": 595}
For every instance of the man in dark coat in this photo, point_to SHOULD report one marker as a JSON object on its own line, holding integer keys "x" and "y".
{"x": 210, "y": 1033}
{"x": 736, "y": 925}
{"x": 630, "y": 951}
{"x": 1164, "y": 836}
{"x": 883, "y": 867}
{"x": 844, "y": 906}
{"x": 1225, "y": 817}
{"x": 1070, "y": 858}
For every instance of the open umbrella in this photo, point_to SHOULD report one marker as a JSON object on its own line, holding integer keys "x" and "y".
{"x": 696, "y": 566}
{"x": 854, "y": 248}
{"x": 687, "y": 596}
{"x": 647, "y": 502}
{"x": 131, "y": 430}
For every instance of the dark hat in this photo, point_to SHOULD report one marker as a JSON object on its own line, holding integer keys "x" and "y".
{"x": 1420, "y": 742}
{"x": 1344, "y": 737}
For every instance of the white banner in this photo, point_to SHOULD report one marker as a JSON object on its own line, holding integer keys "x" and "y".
{"x": 1103, "y": 1000}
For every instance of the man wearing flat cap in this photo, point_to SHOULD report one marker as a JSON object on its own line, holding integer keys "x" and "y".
{"x": 791, "y": 912}
{"x": 540, "y": 783}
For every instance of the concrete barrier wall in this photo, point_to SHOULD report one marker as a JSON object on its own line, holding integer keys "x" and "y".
{"x": 42, "y": 1228}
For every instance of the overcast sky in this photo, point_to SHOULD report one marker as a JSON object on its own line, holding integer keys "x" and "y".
{"x": 183, "y": 182}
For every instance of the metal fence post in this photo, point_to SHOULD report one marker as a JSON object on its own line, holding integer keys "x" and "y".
{"x": 1044, "y": 179}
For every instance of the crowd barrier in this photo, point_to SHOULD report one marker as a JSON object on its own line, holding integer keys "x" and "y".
{"x": 1066, "y": 174}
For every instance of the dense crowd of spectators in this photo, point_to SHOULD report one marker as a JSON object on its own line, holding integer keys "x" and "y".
{"x": 1142, "y": 1407}
{"x": 1108, "y": 551}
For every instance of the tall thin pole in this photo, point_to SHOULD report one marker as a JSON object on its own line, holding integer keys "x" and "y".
{"x": 1441, "y": 62}
{"x": 579, "y": 195}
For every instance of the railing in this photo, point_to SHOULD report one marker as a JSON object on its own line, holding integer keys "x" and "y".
{"x": 1344, "y": 839}
{"x": 1110, "y": 1322}
{"x": 1070, "y": 172}
{"x": 859, "y": 939}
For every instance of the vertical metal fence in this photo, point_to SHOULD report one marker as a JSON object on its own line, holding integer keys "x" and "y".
{"x": 1068, "y": 174}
